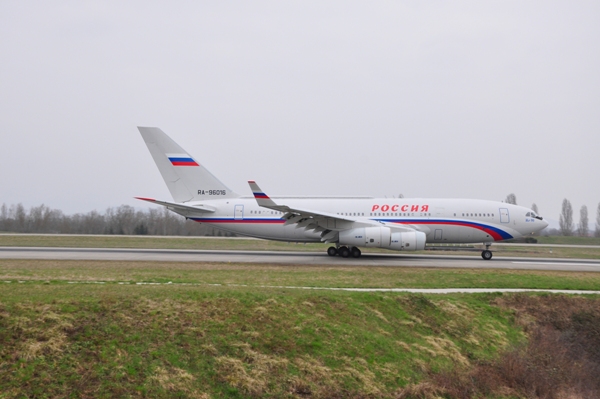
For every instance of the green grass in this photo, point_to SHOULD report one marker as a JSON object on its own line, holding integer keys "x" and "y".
{"x": 572, "y": 240}
{"x": 61, "y": 272}
{"x": 157, "y": 341}
{"x": 204, "y": 340}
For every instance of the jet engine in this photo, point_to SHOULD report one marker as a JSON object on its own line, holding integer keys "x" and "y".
{"x": 383, "y": 237}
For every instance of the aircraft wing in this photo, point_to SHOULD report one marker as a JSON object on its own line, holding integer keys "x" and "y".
{"x": 328, "y": 224}
{"x": 263, "y": 200}
{"x": 181, "y": 208}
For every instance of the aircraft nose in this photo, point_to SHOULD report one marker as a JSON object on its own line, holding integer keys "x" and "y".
{"x": 544, "y": 224}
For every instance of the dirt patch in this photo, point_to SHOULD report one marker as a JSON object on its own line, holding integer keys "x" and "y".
{"x": 560, "y": 360}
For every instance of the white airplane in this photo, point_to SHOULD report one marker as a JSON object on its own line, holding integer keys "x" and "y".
{"x": 401, "y": 224}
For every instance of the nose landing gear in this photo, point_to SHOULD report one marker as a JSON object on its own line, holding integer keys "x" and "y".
{"x": 486, "y": 254}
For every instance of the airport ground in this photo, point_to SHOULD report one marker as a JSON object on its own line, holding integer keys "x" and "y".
{"x": 98, "y": 328}
{"x": 547, "y": 247}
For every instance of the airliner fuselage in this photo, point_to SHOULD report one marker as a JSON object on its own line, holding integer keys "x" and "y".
{"x": 442, "y": 220}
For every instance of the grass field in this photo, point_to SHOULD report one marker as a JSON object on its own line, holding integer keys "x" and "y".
{"x": 97, "y": 329}
{"x": 84, "y": 241}
{"x": 183, "y": 342}
{"x": 571, "y": 240}
{"x": 61, "y": 272}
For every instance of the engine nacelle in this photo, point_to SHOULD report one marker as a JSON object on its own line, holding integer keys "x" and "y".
{"x": 383, "y": 237}
{"x": 408, "y": 241}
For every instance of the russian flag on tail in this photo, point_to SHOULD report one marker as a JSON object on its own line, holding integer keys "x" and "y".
{"x": 181, "y": 160}
{"x": 258, "y": 194}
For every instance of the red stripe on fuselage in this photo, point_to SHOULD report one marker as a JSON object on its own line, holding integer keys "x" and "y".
{"x": 495, "y": 235}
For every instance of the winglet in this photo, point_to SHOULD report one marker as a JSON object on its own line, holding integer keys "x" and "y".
{"x": 261, "y": 198}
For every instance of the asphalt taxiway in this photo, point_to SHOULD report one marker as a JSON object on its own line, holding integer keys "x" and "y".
{"x": 299, "y": 258}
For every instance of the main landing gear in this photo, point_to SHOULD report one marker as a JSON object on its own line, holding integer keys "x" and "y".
{"x": 486, "y": 254}
{"x": 344, "y": 251}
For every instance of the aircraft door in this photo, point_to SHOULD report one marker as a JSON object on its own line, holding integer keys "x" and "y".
{"x": 504, "y": 217}
{"x": 238, "y": 213}
{"x": 438, "y": 235}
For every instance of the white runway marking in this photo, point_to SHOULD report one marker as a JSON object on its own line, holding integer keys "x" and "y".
{"x": 558, "y": 263}
{"x": 349, "y": 289}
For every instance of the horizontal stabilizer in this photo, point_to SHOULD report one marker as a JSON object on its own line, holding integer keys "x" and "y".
{"x": 180, "y": 208}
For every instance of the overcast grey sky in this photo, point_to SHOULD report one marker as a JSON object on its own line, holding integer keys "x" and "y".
{"x": 468, "y": 99}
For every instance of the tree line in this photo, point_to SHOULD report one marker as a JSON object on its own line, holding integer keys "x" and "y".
{"x": 566, "y": 223}
{"x": 123, "y": 219}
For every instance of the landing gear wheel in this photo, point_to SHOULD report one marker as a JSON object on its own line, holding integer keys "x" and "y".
{"x": 344, "y": 252}
{"x": 355, "y": 252}
{"x": 332, "y": 251}
{"x": 486, "y": 254}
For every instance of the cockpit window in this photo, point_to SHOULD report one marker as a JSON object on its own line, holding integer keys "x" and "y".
{"x": 534, "y": 215}
{"x": 528, "y": 214}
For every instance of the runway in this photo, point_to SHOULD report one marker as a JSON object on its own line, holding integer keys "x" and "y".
{"x": 299, "y": 258}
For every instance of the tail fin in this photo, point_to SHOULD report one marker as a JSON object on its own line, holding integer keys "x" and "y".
{"x": 186, "y": 178}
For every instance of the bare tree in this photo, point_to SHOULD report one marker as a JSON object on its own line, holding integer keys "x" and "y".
{"x": 20, "y": 218}
{"x": 535, "y": 208}
{"x": 511, "y": 199}
{"x": 566, "y": 218}
{"x": 3, "y": 217}
{"x": 583, "y": 229}
{"x": 120, "y": 220}
{"x": 598, "y": 221}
